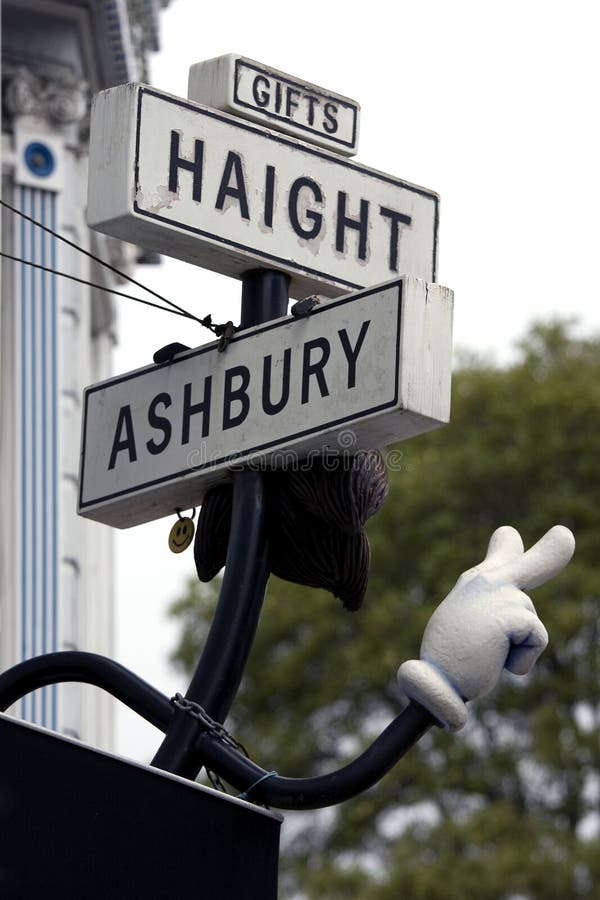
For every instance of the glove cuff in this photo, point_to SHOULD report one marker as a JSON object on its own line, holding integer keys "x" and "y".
{"x": 428, "y": 686}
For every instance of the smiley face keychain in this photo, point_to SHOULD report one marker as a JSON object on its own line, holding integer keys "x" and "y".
{"x": 182, "y": 533}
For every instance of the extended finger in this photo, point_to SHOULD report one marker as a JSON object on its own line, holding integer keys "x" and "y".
{"x": 541, "y": 562}
{"x": 505, "y": 544}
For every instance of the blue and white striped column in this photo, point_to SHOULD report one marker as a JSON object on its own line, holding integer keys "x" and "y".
{"x": 36, "y": 447}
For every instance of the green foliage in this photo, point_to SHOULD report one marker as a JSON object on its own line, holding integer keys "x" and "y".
{"x": 506, "y": 807}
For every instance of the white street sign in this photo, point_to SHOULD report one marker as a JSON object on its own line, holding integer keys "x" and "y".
{"x": 365, "y": 370}
{"x": 247, "y": 88}
{"x": 211, "y": 189}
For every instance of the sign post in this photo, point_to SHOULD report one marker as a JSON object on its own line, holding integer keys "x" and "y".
{"x": 221, "y": 666}
{"x": 286, "y": 217}
{"x": 257, "y": 185}
{"x": 212, "y": 185}
{"x": 230, "y": 186}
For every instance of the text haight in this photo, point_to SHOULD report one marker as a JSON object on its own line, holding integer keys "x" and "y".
{"x": 226, "y": 194}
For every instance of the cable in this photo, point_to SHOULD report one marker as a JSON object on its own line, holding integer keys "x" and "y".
{"x": 206, "y": 322}
{"x": 98, "y": 286}
{"x": 97, "y": 259}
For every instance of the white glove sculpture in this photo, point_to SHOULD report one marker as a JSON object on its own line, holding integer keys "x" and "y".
{"x": 485, "y": 624}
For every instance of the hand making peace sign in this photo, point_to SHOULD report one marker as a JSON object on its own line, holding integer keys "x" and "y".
{"x": 485, "y": 624}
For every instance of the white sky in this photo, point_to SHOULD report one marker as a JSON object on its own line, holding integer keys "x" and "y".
{"x": 492, "y": 105}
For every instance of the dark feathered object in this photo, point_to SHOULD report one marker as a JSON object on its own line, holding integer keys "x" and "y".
{"x": 305, "y": 550}
{"x": 315, "y": 523}
{"x": 342, "y": 491}
{"x": 212, "y": 533}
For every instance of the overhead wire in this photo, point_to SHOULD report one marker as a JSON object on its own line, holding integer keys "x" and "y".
{"x": 174, "y": 308}
{"x": 100, "y": 287}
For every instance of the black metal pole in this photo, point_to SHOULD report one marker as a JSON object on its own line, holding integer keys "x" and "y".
{"x": 264, "y": 297}
{"x": 221, "y": 666}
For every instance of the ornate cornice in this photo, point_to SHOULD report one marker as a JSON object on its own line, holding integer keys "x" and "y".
{"x": 57, "y": 99}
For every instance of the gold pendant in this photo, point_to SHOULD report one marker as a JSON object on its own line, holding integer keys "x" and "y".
{"x": 181, "y": 534}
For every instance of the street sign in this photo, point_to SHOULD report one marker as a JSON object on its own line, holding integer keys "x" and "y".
{"x": 246, "y": 88}
{"x": 361, "y": 371}
{"x": 220, "y": 192}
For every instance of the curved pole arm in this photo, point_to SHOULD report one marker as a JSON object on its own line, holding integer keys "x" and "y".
{"x": 272, "y": 789}
{"x": 255, "y": 782}
{"x": 90, "y": 668}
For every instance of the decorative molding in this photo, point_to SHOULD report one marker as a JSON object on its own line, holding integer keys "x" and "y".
{"x": 60, "y": 100}
{"x": 22, "y": 93}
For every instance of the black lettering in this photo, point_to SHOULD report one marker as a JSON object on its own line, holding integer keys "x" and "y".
{"x": 290, "y": 103}
{"x": 239, "y": 394}
{"x": 161, "y": 423}
{"x": 315, "y": 217}
{"x": 261, "y": 97}
{"x": 176, "y": 163}
{"x": 192, "y": 409}
{"x": 233, "y": 165}
{"x": 269, "y": 195}
{"x": 360, "y": 224}
{"x": 270, "y": 408}
{"x": 123, "y": 443}
{"x": 315, "y": 368}
{"x": 395, "y": 218}
{"x": 312, "y": 101}
{"x": 278, "y": 96}
{"x": 330, "y": 123}
{"x": 352, "y": 352}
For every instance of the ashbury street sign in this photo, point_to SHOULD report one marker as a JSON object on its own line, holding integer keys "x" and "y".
{"x": 230, "y": 195}
{"x": 364, "y": 370}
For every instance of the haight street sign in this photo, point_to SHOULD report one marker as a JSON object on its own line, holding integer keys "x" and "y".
{"x": 229, "y": 195}
{"x": 246, "y": 88}
{"x": 361, "y": 371}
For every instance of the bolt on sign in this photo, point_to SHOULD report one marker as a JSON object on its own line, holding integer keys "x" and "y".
{"x": 228, "y": 194}
{"x": 364, "y": 370}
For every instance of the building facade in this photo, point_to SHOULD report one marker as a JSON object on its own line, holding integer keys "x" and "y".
{"x": 56, "y": 335}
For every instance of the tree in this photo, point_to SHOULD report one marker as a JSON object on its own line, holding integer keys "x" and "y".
{"x": 509, "y": 806}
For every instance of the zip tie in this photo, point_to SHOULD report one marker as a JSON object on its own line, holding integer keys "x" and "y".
{"x": 224, "y": 333}
{"x": 246, "y": 794}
